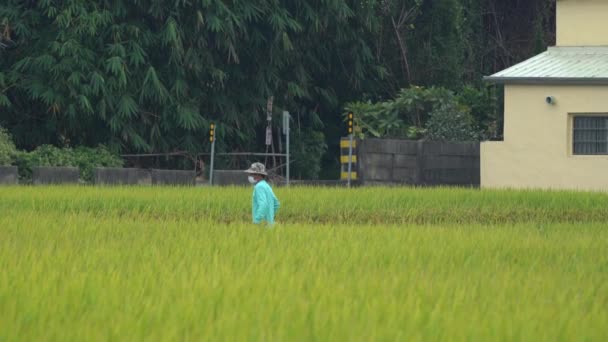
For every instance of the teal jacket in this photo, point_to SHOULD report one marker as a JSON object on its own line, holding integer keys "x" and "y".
{"x": 265, "y": 203}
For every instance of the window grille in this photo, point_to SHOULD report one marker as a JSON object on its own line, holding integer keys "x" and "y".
{"x": 590, "y": 135}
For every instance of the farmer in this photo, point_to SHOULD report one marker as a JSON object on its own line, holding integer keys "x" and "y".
{"x": 265, "y": 203}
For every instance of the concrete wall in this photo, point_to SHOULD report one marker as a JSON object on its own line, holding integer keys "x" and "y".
{"x": 173, "y": 177}
{"x": 55, "y": 175}
{"x": 121, "y": 176}
{"x": 537, "y": 147}
{"x": 229, "y": 177}
{"x": 318, "y": 183}
{"x": 582, "y": 22}
{"x": 391, "y": 161}
{"x": 9, "y": 175}
{"x": 103, "y": 176}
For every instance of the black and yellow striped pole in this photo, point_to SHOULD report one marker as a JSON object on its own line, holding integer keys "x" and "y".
{"x": 348, "y": 152}
{"x": 345, "y": 146}
{"x": 351, "y": 117}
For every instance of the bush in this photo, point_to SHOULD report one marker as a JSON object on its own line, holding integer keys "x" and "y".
{"x": 449, "y": 123}
{"x": 8, "y": 151}
{"x": 89, "y": 158}
{"x": 483, "y": 105}
{"x": 416, "y": 109}
{"x": 85, "y": 158}
{"x": 308, "y": 149}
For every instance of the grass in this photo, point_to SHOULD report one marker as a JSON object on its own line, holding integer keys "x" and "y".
{"x": 86, "y": 263}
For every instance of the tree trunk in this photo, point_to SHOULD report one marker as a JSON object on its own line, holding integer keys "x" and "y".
{"x": 404, "y": 62}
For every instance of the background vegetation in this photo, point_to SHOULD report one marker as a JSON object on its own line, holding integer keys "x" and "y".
{"x": 8, "y": 151}
{"x": 84, "y": 158}
{"x": 149, "y": 76}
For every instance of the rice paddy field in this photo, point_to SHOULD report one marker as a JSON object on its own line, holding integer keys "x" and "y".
{"x": 144, "y": 263}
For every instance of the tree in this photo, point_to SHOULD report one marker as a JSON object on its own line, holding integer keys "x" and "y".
{"x": 151, "y": 76}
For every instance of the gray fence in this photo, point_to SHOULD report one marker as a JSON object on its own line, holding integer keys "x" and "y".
{"x": 173, "y": 177}
{"x": 392, "y": 161}
{"x": 55, "y": 175}
{"x": 229, "y": 177}
{"x": 121, "y": 176}
{"x": 9, "y": 175}
{"x": 101, "y": 176}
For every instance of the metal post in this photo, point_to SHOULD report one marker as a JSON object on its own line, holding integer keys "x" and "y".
{"x": 286, "y": 132}
{"x": 350, "y": 157}
{"x": 212, "y": 158}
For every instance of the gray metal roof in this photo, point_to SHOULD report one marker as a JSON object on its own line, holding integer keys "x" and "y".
{"x": 559, "y": 65}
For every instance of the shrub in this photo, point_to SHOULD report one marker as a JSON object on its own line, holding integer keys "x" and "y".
{"x": 449, "y": 123}
{"x": 308, "y": 149}
{"x": 7, "y": 148}
{"x": 483, "y": 105}
{"x": 85, "y": 158}
{"x": 89, "y": 158}
{"x": 416, "y": 109}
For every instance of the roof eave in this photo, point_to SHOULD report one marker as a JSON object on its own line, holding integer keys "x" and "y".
{"x": 546, "y": 80}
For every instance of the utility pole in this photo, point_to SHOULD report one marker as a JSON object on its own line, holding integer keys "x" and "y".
{"x": 286, "y": 132}
{"x": 212, "y": 140}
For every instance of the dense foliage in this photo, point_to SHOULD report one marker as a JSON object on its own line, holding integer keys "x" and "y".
{"x": 7, "y": 148}
{"x": 149, "y": 76}
{"x": 433, "y": 113}
{"x": 449, "y": 123}
{"x": 84, "y": 158}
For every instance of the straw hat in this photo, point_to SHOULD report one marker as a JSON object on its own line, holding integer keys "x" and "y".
{"x": 257, "y": 169}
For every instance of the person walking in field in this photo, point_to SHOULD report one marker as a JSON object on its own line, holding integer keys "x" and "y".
{"x": 264, "y": 204}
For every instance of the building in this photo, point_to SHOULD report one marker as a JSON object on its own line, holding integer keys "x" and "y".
{"x": 556, "y": 109}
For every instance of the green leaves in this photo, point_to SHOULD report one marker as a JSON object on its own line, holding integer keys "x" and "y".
{"x": 4, "y": 101}
{"x": 287, "y": 46}
{"x": 152, "y": 88}
{"x": 86, "y": 159}
{"x": 188, "y": 117}
{"x": 435, "y": 113}
{"x": 170, "y": 35}
{"x": 127, "y": 107}
{"x": 85, "y": 105}
{"x": 146, "y": 76}
{"x": 449, "y": 123}
{"x": 97, "y": 83}
{"x": 137, "y": 55}
{"x": 7, "y": 148}
{"x": 114, "y": 65}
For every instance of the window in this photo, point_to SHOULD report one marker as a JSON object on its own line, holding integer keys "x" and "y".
{"x": 590, "y": 136}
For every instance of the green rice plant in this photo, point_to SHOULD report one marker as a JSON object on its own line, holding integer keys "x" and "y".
{"x": 88, "y": 263}
{"x": 319, "y": 205}
{"x": 76, "y": 277}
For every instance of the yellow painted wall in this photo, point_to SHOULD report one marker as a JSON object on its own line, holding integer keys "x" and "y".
{"x": 537, "y": 148}
{"x": 582, "y": 22}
